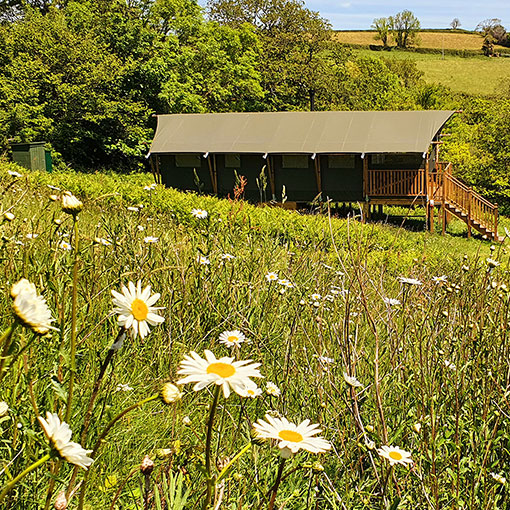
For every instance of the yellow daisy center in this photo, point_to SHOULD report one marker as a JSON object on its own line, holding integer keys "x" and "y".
{"x": 290, "y": 435}
{"x": 395, "y": 455}
{"x": 233, "y": 339}
{"x": 251, "y": 392}
{"x": 139, "y": 309}
{"x": 222, "y": 369}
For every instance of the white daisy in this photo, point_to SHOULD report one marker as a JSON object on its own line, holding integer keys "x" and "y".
{"x": 273, "y": 390}
{"x": 64, "y": 245}
{"x": 133, "y": 208}
{"x": 123, "y": 387}
{"x": 492, "y": 263}
{"x": 8, "y": 216}
{"x": 439, "y": 279}
{"x": 199, "y": 213}
{"x": 30, "y": 308}
{"x": 352, "y": 381}
{"x": 140, "y": 228}
{"x": 232, "y": 338}
{"x": 395, "y": 455}
{"x": 253, "y": 391}
{"x": 151, "y": 187}
{"x": 315, "y": 297}
{"x": 498, "y": 478}
{"x": 271, "y": 277}
{"x": 59, "y": 435}
{"x": 409, "y": 281}
{"x": 135, "y": 310}
{"x": 104, "y": 242}
{"x": 227, "y": 256}
{"x": 291, "y": 436}
{"x": 286, "y": 283}
{"x": 150, "y": 239}
{"x": 204, "y": 261}
{"x": 13, "y": 173}
{"x": 391, "y": 301}
{"x": 224, "y": 371}
{"x": 325, "y": 360}
{"x": 32, "y": 236}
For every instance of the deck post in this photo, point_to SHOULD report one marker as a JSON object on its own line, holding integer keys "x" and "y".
{"x": 443, "y": 201}
{"x": 318, "y": 177}
{"x": 469, "y": 213}
{"x": 431, "y": 215}
{"x": 271, "y": 177}
{"x": 211, "y": 173}
{"x": 496, "y": 215}
{"x": 365, "y": 176}
{"x": 158, "y": 173}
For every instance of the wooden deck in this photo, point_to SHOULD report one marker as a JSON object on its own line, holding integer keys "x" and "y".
{"x": 438, "y": 189}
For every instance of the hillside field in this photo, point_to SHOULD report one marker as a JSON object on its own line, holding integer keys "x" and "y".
{"x": 473, "y": 75}
{"x": 448, "y": 40}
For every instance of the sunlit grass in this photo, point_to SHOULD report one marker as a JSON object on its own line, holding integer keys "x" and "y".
{"x": 433, "y": 369}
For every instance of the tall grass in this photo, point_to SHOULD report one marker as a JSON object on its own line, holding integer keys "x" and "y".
{"x": 434, "y": 368}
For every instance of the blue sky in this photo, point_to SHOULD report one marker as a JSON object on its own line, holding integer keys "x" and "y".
{"x": 359, "y": 14}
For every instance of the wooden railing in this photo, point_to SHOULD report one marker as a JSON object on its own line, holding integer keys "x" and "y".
{"x": 441, "y": 188}
{"x": 477, "y": 208}
{"x": 396, "y": 183}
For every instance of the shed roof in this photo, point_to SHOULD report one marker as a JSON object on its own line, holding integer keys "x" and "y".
{"x": 298, "y": 132}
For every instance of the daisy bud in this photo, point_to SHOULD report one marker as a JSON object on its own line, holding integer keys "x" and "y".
{"x": 417, "y": 427}
{"x": 317, "y": 467}
{"x": 8, "y": 216}
{"x": 4, "y": 409}
{"x": 147, "y": 466}
{"x": 70, "y": 204}
{"x": 285, "y": 453}
{"x": 186, "y": 420}
{"x": 170, "y": 393}
{"x": 164, "y": 453}
{"x": 61, "y": 501}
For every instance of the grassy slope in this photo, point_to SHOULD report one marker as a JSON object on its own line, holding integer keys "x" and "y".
{"x": 472, "y": 75}
{"x": 458, "y": 324}
{"x": 433, "y": 40}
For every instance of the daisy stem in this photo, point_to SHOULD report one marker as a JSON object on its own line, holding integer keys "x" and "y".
{"x": 6, "y": 340}
{"x": 73, "y": 323}
{"x": 24, "y": 473}
{"x": 276, "y": 484}
{"x": 210, "y": 481}
{"x": 101, "y": 438}
{"x": 225, "y": 470}
{"x": 385, "y": 486}
{"x": 90, "y": 408}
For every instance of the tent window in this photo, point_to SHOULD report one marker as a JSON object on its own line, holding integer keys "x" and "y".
{"x": 232, "y": 161}
{"x": 342, "y": 161}
{"x": 187, "y": 161}
{"x": 295, "y": 161}
{"x": 378, "y": 159}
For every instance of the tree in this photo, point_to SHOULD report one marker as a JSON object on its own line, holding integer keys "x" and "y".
{"x": 455, "y": 23}
{"x": 405, "y": 26}
{"x": 383, "y": 28}
{"x": 493, "y": 32}
{"x": 294, "y": 62}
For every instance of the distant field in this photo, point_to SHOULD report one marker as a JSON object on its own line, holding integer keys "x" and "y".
{"x": 433, "y": 40}
{"x": 474, "y": 75}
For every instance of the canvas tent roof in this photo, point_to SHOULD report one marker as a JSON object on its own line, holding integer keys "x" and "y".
{"x": 298, "y": 132}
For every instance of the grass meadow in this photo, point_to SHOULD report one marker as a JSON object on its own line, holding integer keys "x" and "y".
{"x": 466, "y": 75}
{"x": 436, "y": 40}
{"x": 420, "y": 363}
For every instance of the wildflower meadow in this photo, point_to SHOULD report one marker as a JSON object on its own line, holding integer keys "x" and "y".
{"x": 164, "y": 350}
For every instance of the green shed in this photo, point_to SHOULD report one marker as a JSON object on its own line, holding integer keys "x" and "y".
{"x": 32, "y": 155}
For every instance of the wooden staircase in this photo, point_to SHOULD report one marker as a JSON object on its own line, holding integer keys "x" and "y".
{"x": 456, "y": 198}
